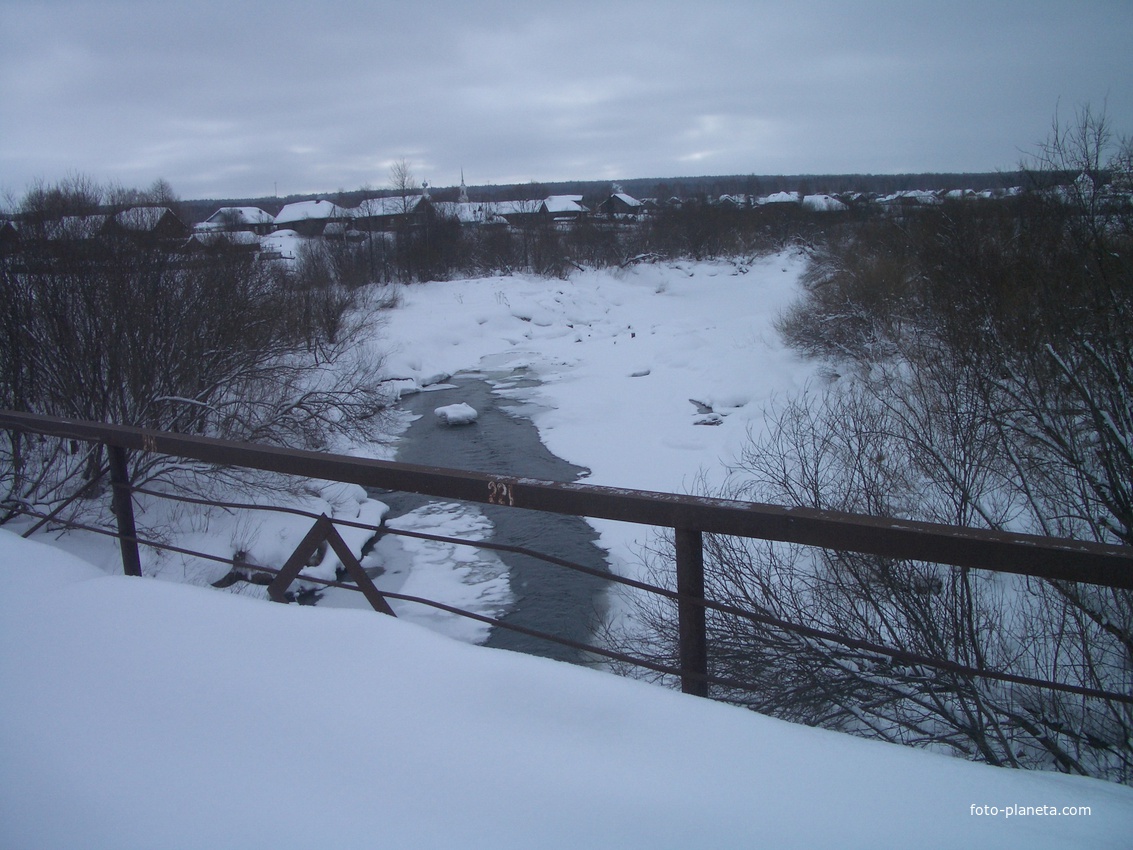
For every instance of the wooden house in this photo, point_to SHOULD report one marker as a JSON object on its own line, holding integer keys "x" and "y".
{"x": 379, "y": 214}
{"x": 237, "y": 219}
{"x": 150, "y": 223}
{"x": 310, "y": 218}
{"x": 621, "y": 205}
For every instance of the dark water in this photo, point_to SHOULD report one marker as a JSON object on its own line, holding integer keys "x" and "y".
{"x": 504, "y": 442}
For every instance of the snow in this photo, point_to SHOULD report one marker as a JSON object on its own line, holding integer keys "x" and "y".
{"x": 456, "y": 414}
{"x": 140, "y": 714}
{"x": 285, "y": 243}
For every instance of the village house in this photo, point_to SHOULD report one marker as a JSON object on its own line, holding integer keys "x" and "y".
{"x": 735, "y": 202}
{"x": 235, "y": 219}
{"x": 513, "y": 212}
{"x": 823, "y": 203}
{"x": 159, "y": 223}
{"x": 378, "y": 214}
{"x": 620, "y": 205}
{"x": 310, "y": 218}
{"x": 562, "y": 208}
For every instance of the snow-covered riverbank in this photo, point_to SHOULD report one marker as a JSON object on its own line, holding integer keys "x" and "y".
{"x": 650, "y": 376}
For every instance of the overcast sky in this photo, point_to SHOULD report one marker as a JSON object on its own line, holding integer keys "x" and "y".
{"x": 236, "y": 99}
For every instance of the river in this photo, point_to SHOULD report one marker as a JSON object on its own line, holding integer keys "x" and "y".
{"x": 504, "y": 441}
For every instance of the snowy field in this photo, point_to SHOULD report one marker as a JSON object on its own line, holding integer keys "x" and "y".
{"x": 155, "y": 714}
{"x": 146, "y": 714}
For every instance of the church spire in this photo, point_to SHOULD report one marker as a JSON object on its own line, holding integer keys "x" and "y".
{"x": 463, "y": 197}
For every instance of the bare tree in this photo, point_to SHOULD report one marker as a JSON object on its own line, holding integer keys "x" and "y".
{"x": 986, "y": 362}
{"x": 403, "y": 183}
{"x": 116, "y": 330}
{"x": 75, "y": 195}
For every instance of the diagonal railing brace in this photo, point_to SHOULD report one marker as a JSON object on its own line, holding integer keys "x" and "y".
{"x": 324, "y": 530}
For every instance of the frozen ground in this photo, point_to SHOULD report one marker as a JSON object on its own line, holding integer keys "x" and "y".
{"x": 146, "y": 714}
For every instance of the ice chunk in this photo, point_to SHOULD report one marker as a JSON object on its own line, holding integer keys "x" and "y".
{"x": 457, "y": 414}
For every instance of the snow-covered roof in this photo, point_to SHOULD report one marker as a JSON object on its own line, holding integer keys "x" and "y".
{"x": 918, "y": 196}
{"x": 563, "y": 204}
{"x": 378, "y": 207}
{"x": 823, "y": 203}
{"x": 781, "y": 198}
{"x": 513, "y": 207}
{"x": 235, "y": 217}
{"x": 628, "y": 200}
{"x": 310, "y": 210}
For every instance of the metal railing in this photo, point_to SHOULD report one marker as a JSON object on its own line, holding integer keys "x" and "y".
{"x": 690, "y": 518}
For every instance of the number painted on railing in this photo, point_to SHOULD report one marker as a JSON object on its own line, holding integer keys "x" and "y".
{"x": 500, "y": 493}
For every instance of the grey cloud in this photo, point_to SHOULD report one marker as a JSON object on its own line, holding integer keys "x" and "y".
{"x": 232, "y": 99}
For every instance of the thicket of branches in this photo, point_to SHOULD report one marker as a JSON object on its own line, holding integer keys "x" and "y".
{"x": 124, "y": 329}
{"x": 981, "y": 374}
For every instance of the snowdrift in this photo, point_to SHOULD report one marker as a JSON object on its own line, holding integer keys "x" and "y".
{"x": 139, "y": 713}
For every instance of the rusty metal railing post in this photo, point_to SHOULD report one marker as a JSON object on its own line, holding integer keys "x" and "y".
{"x": 692, "y": 636}
{"x": 124, "y": 511}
